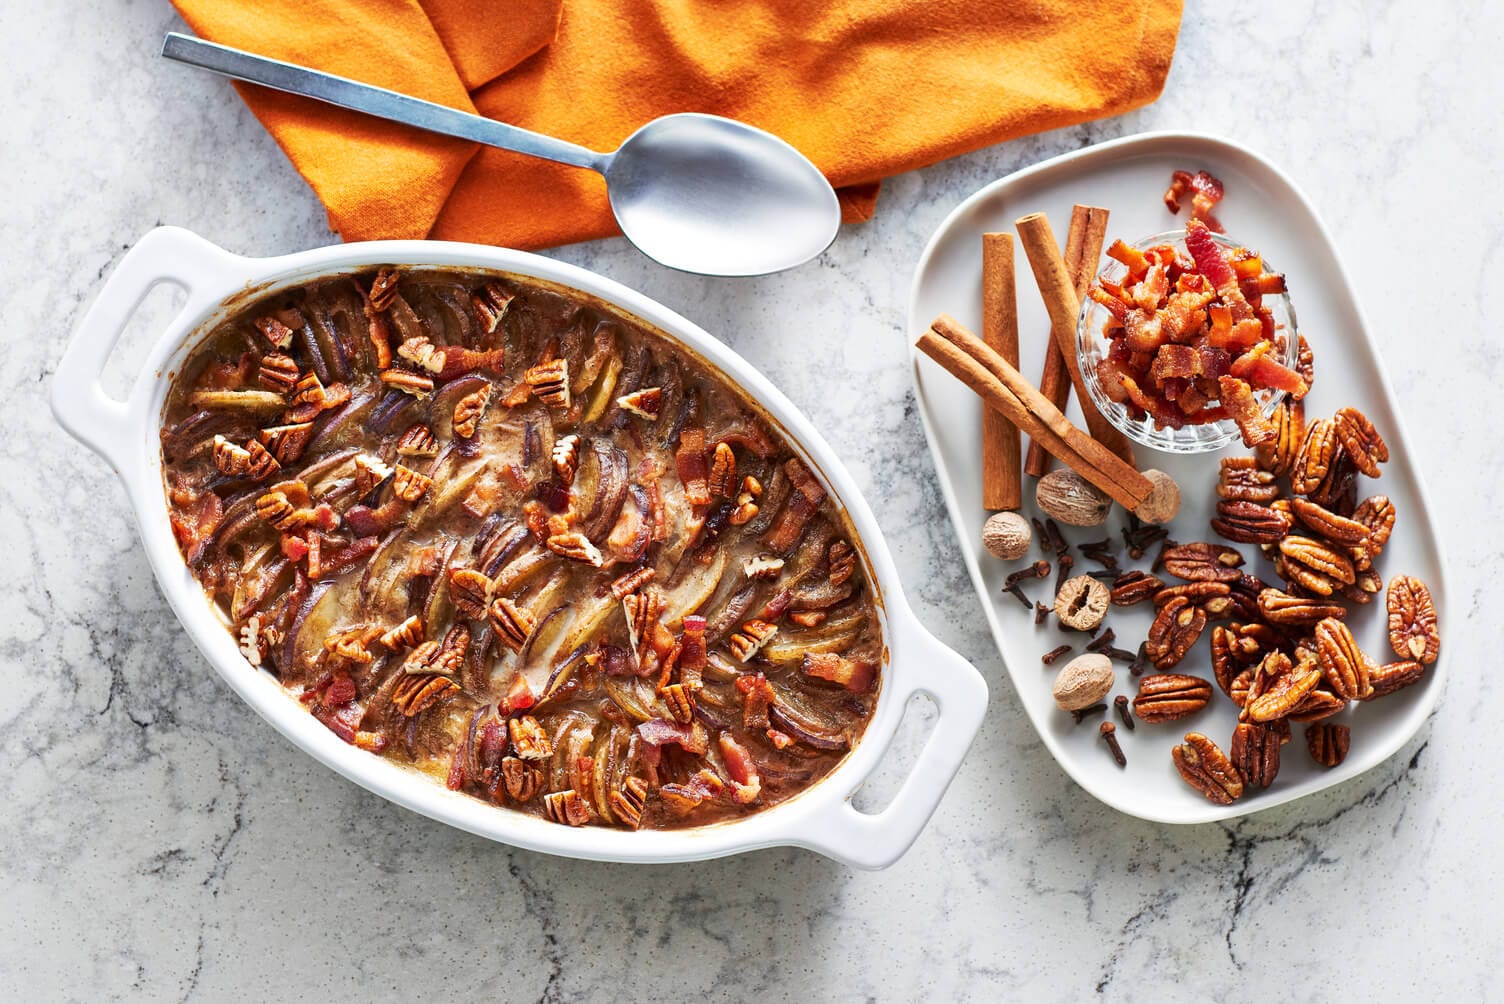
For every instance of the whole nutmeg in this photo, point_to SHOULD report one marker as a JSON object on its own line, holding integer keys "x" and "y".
{"x": 1162, "y": 502}
{"x": 1082, "y": 602}
{"x": 1083, "y": 681}
{"x": 1007, "y": 535}
{"x": 1072, "y": 499}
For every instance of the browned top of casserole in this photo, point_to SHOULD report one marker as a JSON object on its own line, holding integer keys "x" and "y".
{"x": 520, "y": 542}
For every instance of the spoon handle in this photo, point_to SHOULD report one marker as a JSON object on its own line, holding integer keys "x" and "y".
{"x": 377, "y": 101}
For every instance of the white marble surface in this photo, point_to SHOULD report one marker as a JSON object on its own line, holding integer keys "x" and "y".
{"x": 159, "y": 841}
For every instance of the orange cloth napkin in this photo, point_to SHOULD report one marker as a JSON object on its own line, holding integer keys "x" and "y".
{"x": 865, "y": 88}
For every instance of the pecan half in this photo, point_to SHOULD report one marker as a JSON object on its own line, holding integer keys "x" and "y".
{"x": 490, "y": 305}
{"x": 1164, "y": 697}
{"x": 470, "y": 591}
{"x": 1196, "y": 592}
{"x": 383, "y": 290}
{"x": 404, "y": 635}
{"x": 747, "y": 642}
{"x": 1207, "y": 769}
{"x": 1240, "y": 479}
{"x": 1081, "y": 603}
{"x": 746, "y": 502}
{"x": 628, "y": 801}
{"x": 1278, "y": 455}
{"x": 1328, "y": 743}
{"x": 1376, "y": 513}
{"x": 1334, "y": 527}
{"x": 1361, "y": 440}
{"x": 511, "y": 621}
{"x": 1227, "y": 658}
{"x": 529, "y": 738}
{"x": 1133, "y": 587}
{"x": 574, "y": 545}
{"x": 523, "y": 779}
{"x": 418, "y": 441}
{"x": 1317, "y": 455}
{"x": 1285, "y": 689}
{"x": 566, "y": 807}
{"x": 408, "y": 485}
{"x": 423, "y": 354}
{"x": 353, "y": 644}
{"x": 1345, "y": 665}
{"x": 1329, "y": 565}
{"x": 549, "y": 382}
{"x": 1176, "y": 627}
{"x": 1279, "y": 607}
{"x": 566, "y": 458}
{"x": 1392, "y": 676}
{"x": 842, "y": 561}
{"x": 277, "y": 334}
{"x": 408, "y": 382}
{"x": 1412, "y": 620}
{"x": 680, "y": 702}
{"x": 1249, "y": 523}
{"x": 286, "y": 442}
{"x": 722, "y": 480}
{"x": 277, "y": 372}
{"x": 1338, "y": 490}
{"x": 632, "y": 581}
{"x": 1305, "y": 363}
{"x": 1255, "y": 753}
{"x": 262, "y": 465}
{"x": 468, "y": 411}
{"x": 415, "y": 694}
{"x": 369, "y": 472}
{"x": 1201, "y": 561}
{"x": 229, "y": 459}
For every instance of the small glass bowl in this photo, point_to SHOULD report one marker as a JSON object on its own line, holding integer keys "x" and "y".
{"x": 1092, "y": 347}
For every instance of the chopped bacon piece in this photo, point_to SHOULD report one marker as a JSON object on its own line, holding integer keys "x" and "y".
{"x": 194, "y": 520}
{"x": 689, "y": 458}
{"x": 804, "y": 501}
{"x": 692, "y": 651}
{"x": 456, "y": 779}
{"x": 341, "y": 691}
{"x": 758, "y": 696}
{"x": 659, "y": 732}
{"x": 519, "y": 696}
{"x": 849, "y": 673}
{"x": 745, "y": 782}
{"x": 1245, "y": 410}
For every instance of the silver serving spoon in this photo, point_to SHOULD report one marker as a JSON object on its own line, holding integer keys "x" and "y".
{"x": 696, "y": 192}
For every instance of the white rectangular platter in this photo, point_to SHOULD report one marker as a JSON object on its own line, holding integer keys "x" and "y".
{"x": 1265, "y": 211}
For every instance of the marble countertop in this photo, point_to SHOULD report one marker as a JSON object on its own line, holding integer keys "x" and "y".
{"x": 160, "y": 841}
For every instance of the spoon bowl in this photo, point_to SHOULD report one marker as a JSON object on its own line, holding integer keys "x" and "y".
{"x": 707, "y": 194}
{"x": 699, "y": 193}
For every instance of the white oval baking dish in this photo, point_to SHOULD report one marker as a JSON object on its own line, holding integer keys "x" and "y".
{"x": 125, "y": 433}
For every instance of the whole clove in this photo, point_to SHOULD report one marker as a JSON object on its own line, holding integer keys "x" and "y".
{"x": 1084, "y": 713}
{"x": 1055, "y": 653}
{"x": 1109, "y": 735}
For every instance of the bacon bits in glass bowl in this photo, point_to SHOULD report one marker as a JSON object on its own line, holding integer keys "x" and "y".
{"x": 1188, "y": 339}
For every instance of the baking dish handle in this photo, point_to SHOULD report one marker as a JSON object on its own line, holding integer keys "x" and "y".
{"x": 79, "y": 401}
{"x": 877, "y": 839}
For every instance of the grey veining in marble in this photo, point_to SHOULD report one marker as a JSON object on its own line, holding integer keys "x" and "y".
{"x": 159, "y": 841}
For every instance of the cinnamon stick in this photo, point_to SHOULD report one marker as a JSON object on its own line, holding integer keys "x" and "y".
{"x": 995, "y": 394}
{"x": 1001, "y": 386}
{"x": 1083, "y": 249}
{"x": 1060, "y": 299}
{"x": 1002, "y": 471}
